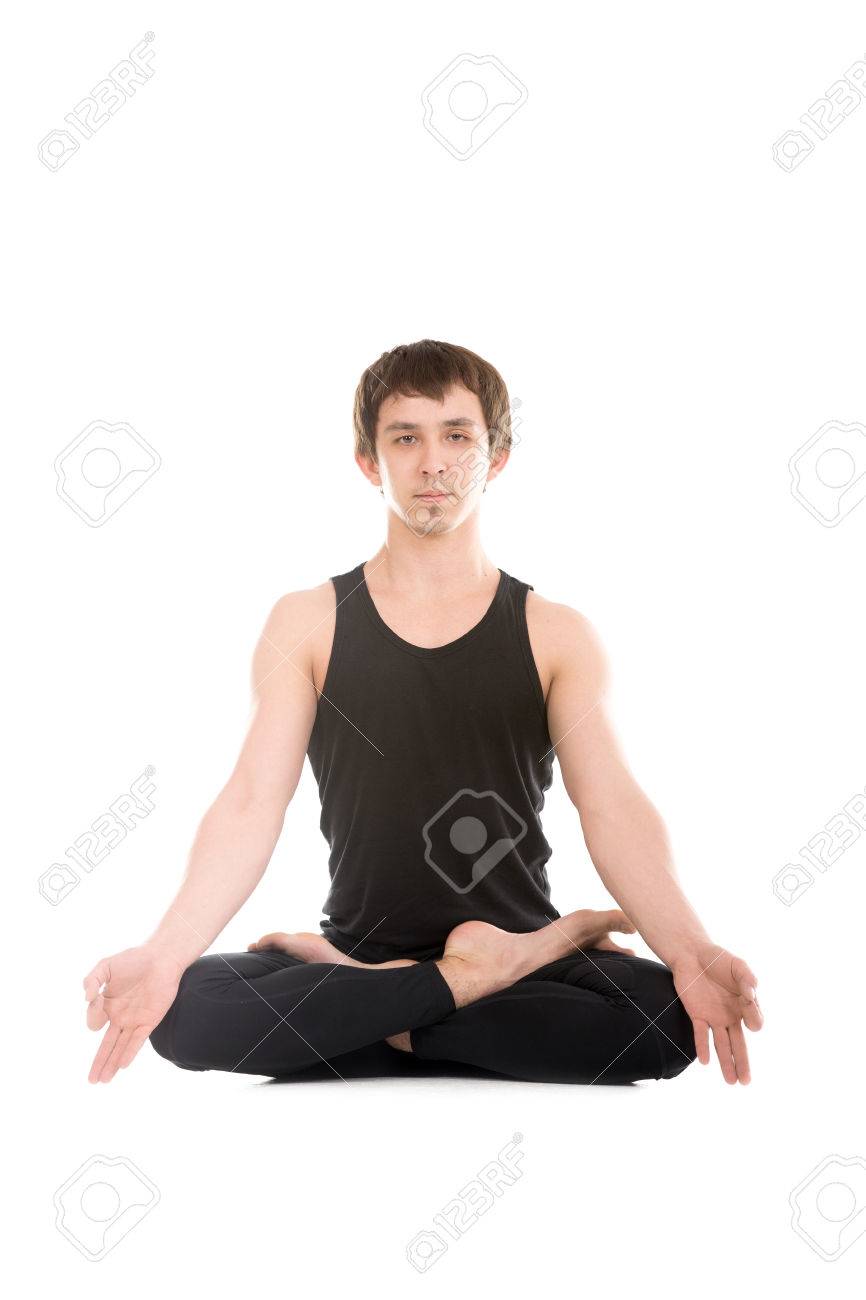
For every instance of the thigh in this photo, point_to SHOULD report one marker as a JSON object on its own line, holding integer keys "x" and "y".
{"x": 640, "y": 982}
{"x": 270, "y": 1013}
{"x": 591, "y": 1017}
{"x": 215, "y": 977}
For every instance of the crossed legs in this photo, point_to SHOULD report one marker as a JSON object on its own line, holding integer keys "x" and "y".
{"x": 540, "y": 1009}
{"x": 591, "y": 1017}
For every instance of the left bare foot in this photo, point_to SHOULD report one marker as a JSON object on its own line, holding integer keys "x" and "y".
{"x": 588, "y": 928}
{"x": 316, "y": 948}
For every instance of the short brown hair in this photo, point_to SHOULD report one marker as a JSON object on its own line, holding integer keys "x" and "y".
{"x": 427, "y": 369}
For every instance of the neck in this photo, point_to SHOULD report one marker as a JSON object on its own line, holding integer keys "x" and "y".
{"x": 440, "y": 567}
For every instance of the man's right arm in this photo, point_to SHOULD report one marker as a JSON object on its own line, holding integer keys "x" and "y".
{"x": 237, "y": 835}
{"x": 131, "y": 991}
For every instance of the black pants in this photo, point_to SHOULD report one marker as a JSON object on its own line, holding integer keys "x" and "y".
{"x": 591, "y": 1017}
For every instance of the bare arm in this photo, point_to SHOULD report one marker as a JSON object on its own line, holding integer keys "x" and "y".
{"x": 624, "y": 833}
{"x": 238, "y": 833}
{"x": 628, "y": 843}
{"x": 131, "y": 991}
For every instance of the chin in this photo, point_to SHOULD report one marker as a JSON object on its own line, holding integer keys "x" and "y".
{"x": 421, "y": 526}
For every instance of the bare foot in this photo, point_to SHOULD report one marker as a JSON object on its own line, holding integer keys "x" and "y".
{"x": 473, "y": 942}
{"x": 313, "y": 947}
{"x": 480, "y": 958}
{"x": 590, "y": 929}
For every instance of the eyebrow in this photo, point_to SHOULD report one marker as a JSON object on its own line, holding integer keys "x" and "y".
{"x": 459, "y": 422}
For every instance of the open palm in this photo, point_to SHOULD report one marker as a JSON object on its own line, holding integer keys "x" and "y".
{"x": 130, "y": 992}
{"x": 717, "y": 990}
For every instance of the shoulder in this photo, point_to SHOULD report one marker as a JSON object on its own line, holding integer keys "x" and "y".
{"x": 295, "y": 627}
{"x": 304, "y": 604}
{"x": 571, "y": 642}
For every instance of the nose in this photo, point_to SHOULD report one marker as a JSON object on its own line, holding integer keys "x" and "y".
{"x": 433, "y": 467}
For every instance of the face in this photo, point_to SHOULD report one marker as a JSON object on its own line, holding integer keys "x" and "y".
{"x": 427, "y": 447}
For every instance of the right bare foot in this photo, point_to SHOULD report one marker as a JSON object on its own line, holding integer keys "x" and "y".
{"x": 313, "y": 947}
{"x": 479, "y": 958}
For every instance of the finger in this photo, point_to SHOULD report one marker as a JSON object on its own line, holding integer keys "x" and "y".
{"x": 753, "y": 1016}
{"x": 94, "y": 979}
{"x": 106, "y": 1047}
{"x": 131, "y": 1050}
{"x": 702, "y": 1041}
{"x": 111, "y": 1066}
{"x": 744, "y": 977}
{"x": 97, "y": 1016}
{"x": 724, "y": 1053}
{"x": 740, "y": 1051}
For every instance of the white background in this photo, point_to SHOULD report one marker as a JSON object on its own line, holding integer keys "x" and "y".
{"x": 678, "y": 315}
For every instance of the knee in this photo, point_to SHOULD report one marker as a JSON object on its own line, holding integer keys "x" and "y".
{"x": 170, "y": 1038}
{"x": 162, "y": 1036}
{"x": 677, "y": 1052}
{"x": 161, "y": 1039}
{"x": 675, "y": 1033}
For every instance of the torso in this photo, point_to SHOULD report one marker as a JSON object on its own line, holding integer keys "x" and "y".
{"x": 435, "y": 719}
{"x": 419, "y": 628}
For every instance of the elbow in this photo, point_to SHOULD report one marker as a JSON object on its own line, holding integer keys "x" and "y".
{"x": 634, "y": 818}
{"x": 243, "y": 802}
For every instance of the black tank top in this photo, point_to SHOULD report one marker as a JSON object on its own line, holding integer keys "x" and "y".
{"x": 431, "y": 763}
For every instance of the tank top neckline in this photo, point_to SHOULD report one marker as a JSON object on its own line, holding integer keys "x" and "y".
{"x": 428, "y": 652}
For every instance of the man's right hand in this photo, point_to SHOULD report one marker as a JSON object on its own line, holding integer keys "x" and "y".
{"x": 131, "y": 992}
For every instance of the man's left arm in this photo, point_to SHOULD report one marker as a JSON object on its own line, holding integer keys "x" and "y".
{"x": 628, "y": 844}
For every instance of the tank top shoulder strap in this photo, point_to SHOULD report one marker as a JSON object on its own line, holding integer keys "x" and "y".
{"x": 516, "y": 612}
{"x": 345, "y": 583}
{"x": 346, "y": 616}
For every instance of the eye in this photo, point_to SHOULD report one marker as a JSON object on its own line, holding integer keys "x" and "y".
{"x": 454, "y": 434}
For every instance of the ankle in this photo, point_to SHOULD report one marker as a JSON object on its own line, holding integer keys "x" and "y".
{"x": 470, "y": 980}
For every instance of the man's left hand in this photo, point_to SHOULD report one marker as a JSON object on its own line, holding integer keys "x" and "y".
{"x": 717, "y": 990}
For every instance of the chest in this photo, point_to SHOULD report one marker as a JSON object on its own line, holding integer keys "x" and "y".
{"x": 430, "y": 630}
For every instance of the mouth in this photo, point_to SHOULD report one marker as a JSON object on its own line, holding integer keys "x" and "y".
{"x": 431, "y": 496}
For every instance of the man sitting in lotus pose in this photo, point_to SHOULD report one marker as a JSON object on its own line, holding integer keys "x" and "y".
{"x": 430, "y": 691}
